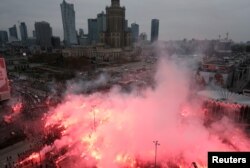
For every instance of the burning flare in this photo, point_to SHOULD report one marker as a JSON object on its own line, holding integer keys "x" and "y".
{"x": 117, "y": 129}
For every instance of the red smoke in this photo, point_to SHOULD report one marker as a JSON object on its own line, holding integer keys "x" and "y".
{"x": 118, "y": 129}
{"x": 16, "y": 109}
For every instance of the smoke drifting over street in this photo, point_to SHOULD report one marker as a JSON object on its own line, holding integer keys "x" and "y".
{"x": 79, "y": 86}
{"x": 117, "y": 129}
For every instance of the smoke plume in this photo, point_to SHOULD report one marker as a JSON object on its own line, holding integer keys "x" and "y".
{"x": 116, "y": 129}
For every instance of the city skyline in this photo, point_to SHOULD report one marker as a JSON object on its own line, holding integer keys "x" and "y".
{"x": 193, "y": 19}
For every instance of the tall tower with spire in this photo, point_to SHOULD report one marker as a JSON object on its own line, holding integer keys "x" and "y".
{"x": 116, "y": 36}
{"x": 115, "y": 3}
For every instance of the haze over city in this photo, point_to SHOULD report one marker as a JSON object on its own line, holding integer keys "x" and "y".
{"x": 178, "y": 19}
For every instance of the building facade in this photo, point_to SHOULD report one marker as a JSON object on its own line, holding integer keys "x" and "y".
{"x": 126, "y": 25}
{"x": 97, "y": 54}
{"x": 101, "y": 24}
{"x": 56, "y": 42}
{"x": 135, "y": 32}
{"x": 116, "y": 36}
{"x": 231, "y": 72}
{"x": 154, "y": 30}
{"x": 13, "y": 33}
{"x": 69, "y": 25}
{"x": 84, "y": 40}
{"x": 43, "y": 34}
{"x": 92, "y": 31}
{"x": 23, "y": 31}
{"x": 3, "y": 37}
{"x": 34, "y": 33}
{"x": 81, "y": 32}
{"x": 143, "y": 37}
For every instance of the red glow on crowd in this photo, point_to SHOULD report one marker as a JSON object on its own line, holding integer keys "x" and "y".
{"x": 30, "y": 161}
{"x": 117, "y": 130}
{"x": 101, "y": 134}
{"x": 16, "y": 108}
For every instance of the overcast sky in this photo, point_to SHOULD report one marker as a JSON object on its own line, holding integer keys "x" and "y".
{"x": 178, "y": 18}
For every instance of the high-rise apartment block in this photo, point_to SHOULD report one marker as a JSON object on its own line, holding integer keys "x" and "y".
{"x": 13, "y": 32}
{"x": 135, "y": 32}
{"x": 69, "y": 25}
{"x": 3, "y": 37}
{"x": 154, "y": 30}
{"x": 101, "y": 24}
{"x": 23, "y": 31}
{"x": 93, "y": 31}
{"x": 43, "y": 34}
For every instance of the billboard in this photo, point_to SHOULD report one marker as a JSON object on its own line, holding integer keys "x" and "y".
{"x": 4, "y": 82}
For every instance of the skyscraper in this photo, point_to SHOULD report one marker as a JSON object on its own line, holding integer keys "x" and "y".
{"x": 43, "y": 34}
{"x": 23, "y": 31}
{"x": 34, "y": 33}
{"x": 81, "y": 32}
{"x": 101, "y": 24}
{"x": 13, "y": 32}
{"x": 154, "y": 30}
{"x": 126, "y": 25}
{"x": 56, "y": 42}
{"x": 143, "y": 36}
{"x": 135, "y": 32}
{"x": 3, "y": 37}
{"x": 69, "y": 25}
{"x": 93, "y": 31}
{"x": 116, "y": 36}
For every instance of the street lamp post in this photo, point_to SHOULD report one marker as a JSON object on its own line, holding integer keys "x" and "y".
{"x": 156, "y": 145}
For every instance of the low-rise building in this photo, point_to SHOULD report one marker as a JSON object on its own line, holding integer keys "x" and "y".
{"x": 17, "y": 63}
{"x": 98, "y": 54}
{"x": 232, "y": 72}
